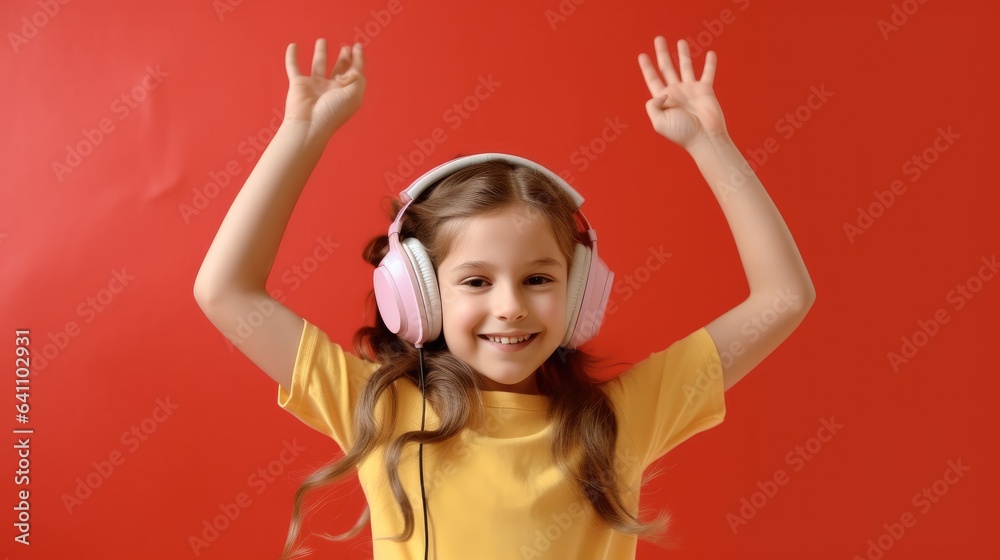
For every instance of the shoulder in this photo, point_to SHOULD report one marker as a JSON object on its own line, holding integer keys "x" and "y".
{"x": 688, "y": 366}
{"x": 671, "y": 395}
{"x": 327, "y": 382}
{"x": 316, "y": 346}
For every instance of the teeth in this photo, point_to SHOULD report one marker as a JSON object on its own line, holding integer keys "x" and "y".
{"x": 508, "y": 340}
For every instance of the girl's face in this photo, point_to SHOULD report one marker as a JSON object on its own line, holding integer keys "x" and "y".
{"x": 504, "y": 277}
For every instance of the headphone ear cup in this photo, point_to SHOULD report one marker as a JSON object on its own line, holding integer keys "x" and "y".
{"x": 428, "y": 286}
{"x": 587, "y": 307}
{"x": 577, "y": 283}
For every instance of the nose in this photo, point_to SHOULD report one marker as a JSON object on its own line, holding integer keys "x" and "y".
{"x": 509, "y": 303}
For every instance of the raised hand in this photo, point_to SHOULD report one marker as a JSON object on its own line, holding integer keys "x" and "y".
{"x": 684, "y": 110}
{"x": 326, "y": 103}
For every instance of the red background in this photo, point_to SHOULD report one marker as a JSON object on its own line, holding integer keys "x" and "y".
{"x": 64, "y": 235}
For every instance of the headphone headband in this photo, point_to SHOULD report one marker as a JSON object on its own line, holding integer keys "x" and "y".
{"x": 445, "y": 169}
{"x": 412, "y": 192}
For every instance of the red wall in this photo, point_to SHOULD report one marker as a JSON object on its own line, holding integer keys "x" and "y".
{"x": 118, "y": 116}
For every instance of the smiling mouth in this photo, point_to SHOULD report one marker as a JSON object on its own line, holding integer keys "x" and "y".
{"x": 510, "y": 341}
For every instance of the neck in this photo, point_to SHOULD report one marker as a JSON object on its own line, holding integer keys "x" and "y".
{"x": 527, "y": 387}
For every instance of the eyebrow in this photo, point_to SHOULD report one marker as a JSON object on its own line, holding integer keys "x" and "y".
{"x": 489, "y": 266}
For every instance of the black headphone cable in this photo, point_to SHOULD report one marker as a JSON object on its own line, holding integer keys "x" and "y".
{"x": 423, "y": 411}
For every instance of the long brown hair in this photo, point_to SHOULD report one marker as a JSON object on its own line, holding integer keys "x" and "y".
{"x": 585, "y": 426}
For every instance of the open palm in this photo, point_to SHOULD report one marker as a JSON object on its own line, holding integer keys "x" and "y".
{"x": 326, "y": 103}
{"x": 684, "y": 110}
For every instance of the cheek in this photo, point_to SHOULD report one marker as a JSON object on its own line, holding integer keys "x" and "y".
{"x": 554, "y": 304}
{"x": 456, "y": 312}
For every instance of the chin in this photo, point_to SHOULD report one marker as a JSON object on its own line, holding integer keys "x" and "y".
{"x": 507, "y": 380}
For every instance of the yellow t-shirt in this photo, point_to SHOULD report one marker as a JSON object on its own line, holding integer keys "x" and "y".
{"x": 497, "y": 493}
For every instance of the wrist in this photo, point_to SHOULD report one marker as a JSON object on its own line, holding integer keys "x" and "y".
{"x": 708, "y": 143}
{"x": 304, "y": 133}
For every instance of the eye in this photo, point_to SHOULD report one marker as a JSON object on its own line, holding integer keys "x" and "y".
{"x": 543, "y": 279}
{"x": 474, "y": 282}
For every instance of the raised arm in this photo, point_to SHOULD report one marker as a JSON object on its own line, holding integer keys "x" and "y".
{"x": 686, "y": 111}
{"x": 230, "y": 286}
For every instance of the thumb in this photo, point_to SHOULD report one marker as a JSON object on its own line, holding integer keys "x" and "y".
{"x": 658, "y": 104}
{"x": 653, "y": 109}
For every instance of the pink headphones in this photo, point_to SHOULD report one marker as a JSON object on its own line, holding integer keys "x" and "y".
{"x": 406, "y": 288}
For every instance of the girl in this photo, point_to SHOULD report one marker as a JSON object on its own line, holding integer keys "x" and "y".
{"x": 527, "y": 455}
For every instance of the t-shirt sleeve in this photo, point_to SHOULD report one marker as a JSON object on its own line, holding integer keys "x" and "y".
{"x": 671, "y": 395}
{"x": 326, "y": 384}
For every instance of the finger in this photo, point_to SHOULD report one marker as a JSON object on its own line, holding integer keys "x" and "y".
{"x": 708, "y": 74}
{"x": 291, "y": 64}
{"x": 319, "y": 58}
{"x": 664, "y": 101}
{"x": 343, "y": 61}
{"x": 684, "y": 56}
{"x": 356, "y": 70}
{"x": 359, "y": 59}
{"x": 652, "y": 109}
{"x": 653, "y": 82}
{"x": 663, "y": 59}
